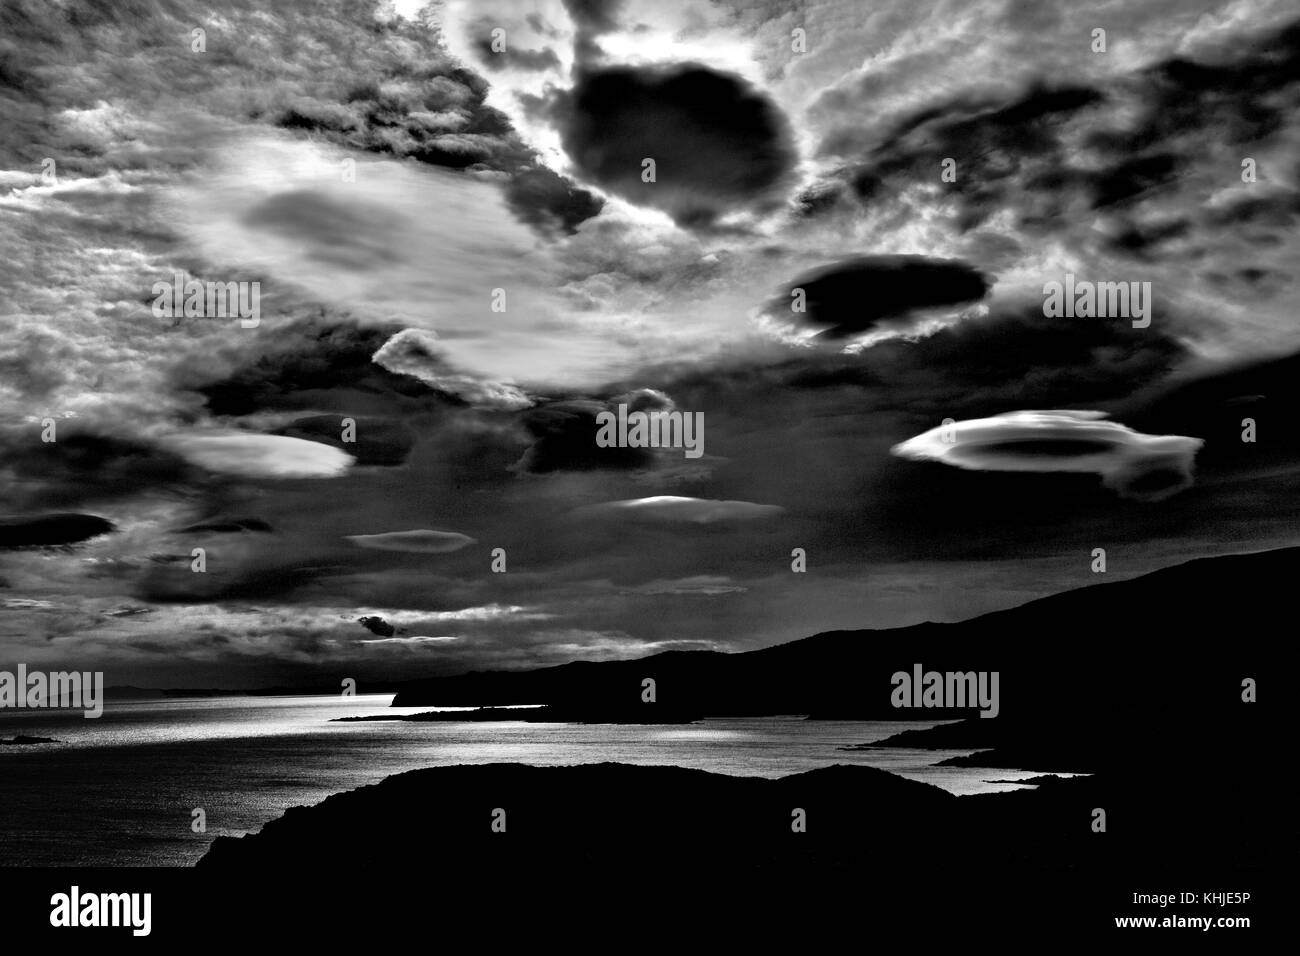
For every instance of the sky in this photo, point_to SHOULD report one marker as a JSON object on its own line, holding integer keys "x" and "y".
{"x": 445, "y": 207}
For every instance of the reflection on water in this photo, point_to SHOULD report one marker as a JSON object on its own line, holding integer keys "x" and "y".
{"x": 121, "y": 789}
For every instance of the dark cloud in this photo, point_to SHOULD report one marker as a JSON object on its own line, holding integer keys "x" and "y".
{"x": 1000, "y": 148}
{"x": 543, "y": 59}
{"x": 598, "y": 16}
{"x": 549, "y": 202}
{"x": 316, "y": 368}
{"x": 718, "y": 143}
{"x": 564, "y": 436}
{"x": 591, "y": 18}
{"x": 82, "y": 466}
{"x": 440, "y": 116}
{"x": 853, "y": 295}
{"x": 43, "y": 530}
{"x": 228, "y": 526}
{"x": 1245, "y": 97}
{"x": 173, "y": 582}
{"x": 1012, "y": 356}
{"x": 1114, "y": 146}
{"x": 377, "y": 625}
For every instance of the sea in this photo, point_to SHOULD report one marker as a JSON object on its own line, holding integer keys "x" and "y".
{"x": 122, "y": 789}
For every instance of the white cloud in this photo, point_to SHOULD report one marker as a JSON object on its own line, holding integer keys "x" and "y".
{"x": 416, "y": 542}
{"x": 418, "y": 353}
{"x": 262, "y": 456}
{"x": 673, "y": 508}
{"x": 1133, "y": 464}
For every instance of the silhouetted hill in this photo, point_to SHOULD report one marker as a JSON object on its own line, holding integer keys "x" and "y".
{"x": 679, "y": 828}
{"x": 1133, "y": 673}
{"x": 1138, "y": 684}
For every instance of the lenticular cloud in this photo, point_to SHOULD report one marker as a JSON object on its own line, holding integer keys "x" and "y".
{"x": 1132, "y": 464}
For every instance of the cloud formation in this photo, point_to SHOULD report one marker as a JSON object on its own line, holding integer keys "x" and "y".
{"x": 418, "y": 353}
{"x": 415, "y": 542}
{"x": 1130, "y": 463}
{"x": 854, "y": 295}
{"x": 42, "y": 530}
{"x": 718, "y": 143}
{"x": 261, "y": 456}
{"x": 674, "y": 508}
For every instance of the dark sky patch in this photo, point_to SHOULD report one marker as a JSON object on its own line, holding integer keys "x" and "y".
{"x": 1215, "y": 405}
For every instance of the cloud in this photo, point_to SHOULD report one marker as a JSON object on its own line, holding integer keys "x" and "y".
{"x": 42, "y": 530}
{"x": 1130, "y": 463}
{"x": 377, "y": 625}
{"x": 548, "y": 202}
{"x": 510, "y": 56}
{"x": 719, "y": 144}
{"x": 376, "y": 441}
{"x": 486, "y": 612}
{"x": 410, "y": 99}
{"x": 707, "y": 585}
{"x": 854, "y": 295}
{"x": 340, "y": 232}
{"x": 26, "y": 604}
{"x": 598, "y": 16}
{"x": 415, "y": 542}
{"x": 310, "y": 366}
{"x": 261, "y": 456}
{"x": 672, "y": 508}
{"x": 418, "y": 353}
{"x": 565, "y": 436}
{"x": 228, "y": 526}
{"x": 415, "y": 639}
{"x": 565, "y": 440}
{"x": 83, "y": 466}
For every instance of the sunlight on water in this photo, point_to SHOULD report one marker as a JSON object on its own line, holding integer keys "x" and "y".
{"x": 120, "y": 789}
